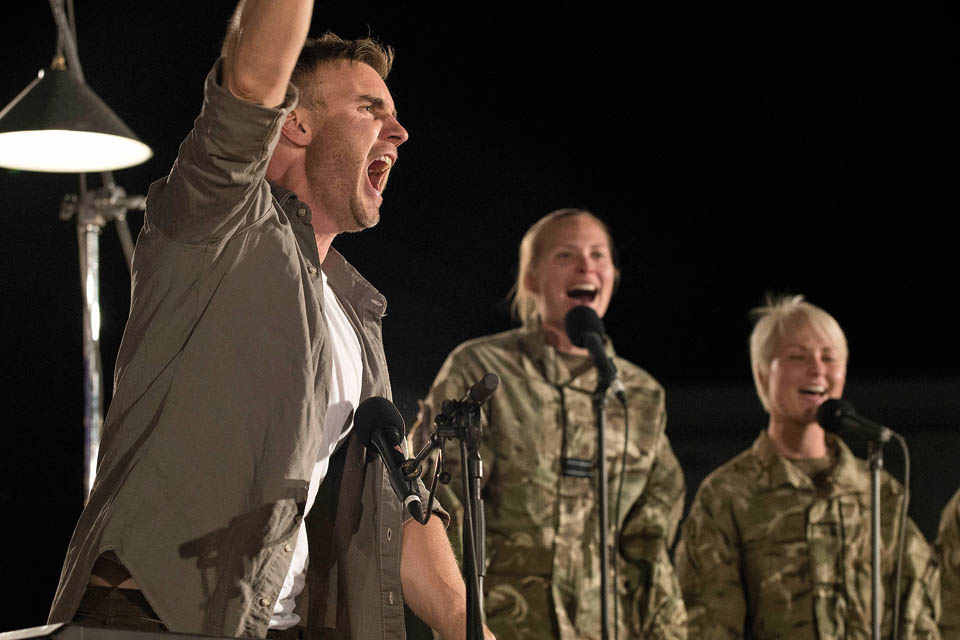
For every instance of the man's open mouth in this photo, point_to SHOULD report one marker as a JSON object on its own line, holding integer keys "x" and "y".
{"x": 377, "y": 172}
{"x": 585, "y": 293}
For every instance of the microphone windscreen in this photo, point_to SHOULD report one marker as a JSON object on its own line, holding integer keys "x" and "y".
{"x": 831, "y": 413}
{"x": 376, "y": 413}
{"x": 485, "y": 388}
{"x": 580, "y": 321}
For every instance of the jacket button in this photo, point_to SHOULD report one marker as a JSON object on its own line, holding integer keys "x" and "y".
{"x": 389, "y": 533}
{"x": 390, "y": 597}
{"x": 302, "y": 211}
{"x": 287, "y": 547}
{"x": 312, "y": 270}
{"x": 265, "y": 602}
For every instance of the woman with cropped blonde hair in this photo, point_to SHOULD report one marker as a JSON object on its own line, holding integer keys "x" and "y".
{"x": 777, "y": 543}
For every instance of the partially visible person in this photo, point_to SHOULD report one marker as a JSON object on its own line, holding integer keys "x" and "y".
{"x": 233, "y": 496}
{"x": 948, "y": 551}
{"x": 777, "y": 543}
{"x": 540, "y": 457}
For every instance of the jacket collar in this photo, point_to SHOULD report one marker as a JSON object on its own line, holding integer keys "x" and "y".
{"x": 544, "y": 362}
{"x": 846, "y": 476}
{"x": 343, "y": 278}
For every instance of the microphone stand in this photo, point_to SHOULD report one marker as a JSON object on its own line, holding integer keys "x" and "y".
{"x": 875, "y": 456}
{"x": 600, "y": 409}
{"x": 460, "y": 419}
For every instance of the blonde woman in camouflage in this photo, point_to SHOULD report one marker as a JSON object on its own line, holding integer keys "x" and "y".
{"x": 777, "y": 542}
{"x": 539, "y": 456}
{"x": 948, "y": 550}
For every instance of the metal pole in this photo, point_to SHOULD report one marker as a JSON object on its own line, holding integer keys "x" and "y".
{"x": 876, "y": 464}
{"x": 94, "y": 210}
{"x": 600, "y": 404}
{"x": 88, "y": 235}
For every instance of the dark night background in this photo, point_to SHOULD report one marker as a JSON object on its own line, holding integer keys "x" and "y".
{"x": 787, "y": 147}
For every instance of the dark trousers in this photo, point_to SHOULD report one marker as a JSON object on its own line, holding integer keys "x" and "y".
{"x": 127, "y": 609}
{"x": 118, "y": 609}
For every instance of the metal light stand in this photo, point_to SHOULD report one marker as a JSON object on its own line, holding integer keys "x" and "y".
{"x": 93, "y": 210}
{"x": 875, "y": 456}
{"x": 600, "y": 408}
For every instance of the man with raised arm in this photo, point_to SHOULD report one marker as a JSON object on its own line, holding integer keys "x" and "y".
{"x": 233, "y": 497}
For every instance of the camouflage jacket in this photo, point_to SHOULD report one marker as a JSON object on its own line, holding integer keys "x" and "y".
{"x": 763, "y": 555}
{"x": 948, "y": 549}
{"x": 542, "y": 554}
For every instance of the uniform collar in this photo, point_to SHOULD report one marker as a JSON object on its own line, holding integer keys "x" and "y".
{"x": 543, "y": 361}
{"x": 846, "y": 476}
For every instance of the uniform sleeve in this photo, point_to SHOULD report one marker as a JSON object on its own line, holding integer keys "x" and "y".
{"x": 217, "y": 185}
{"x": 920, "y": 597}
{"x": 948, "y": 553}
{"x": 647, "y": 535}
{"x": 707, "y": 561}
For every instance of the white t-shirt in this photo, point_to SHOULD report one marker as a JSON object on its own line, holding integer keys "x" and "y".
{"x": 346, "y": 373}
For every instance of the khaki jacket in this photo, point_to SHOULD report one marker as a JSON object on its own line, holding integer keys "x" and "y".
{"x": 763, "y": 555}
{"x": 948, "y": 551}
{"x": 542, "y": 552}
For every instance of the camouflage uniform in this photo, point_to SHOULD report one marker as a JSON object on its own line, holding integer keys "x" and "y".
{"x": 765, "y": 554}
{"x": 543, "y": 577}
{"x": 948, "y": 548}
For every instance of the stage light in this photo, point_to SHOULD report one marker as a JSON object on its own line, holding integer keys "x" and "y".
{"x": 58, "y": 124}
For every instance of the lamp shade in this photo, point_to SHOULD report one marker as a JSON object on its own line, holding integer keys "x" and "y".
{"x": 58, "y": 124}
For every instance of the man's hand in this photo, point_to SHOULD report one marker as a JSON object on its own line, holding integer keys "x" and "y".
{"x": 263, "y": 43}
{"x": 432, "y": 585}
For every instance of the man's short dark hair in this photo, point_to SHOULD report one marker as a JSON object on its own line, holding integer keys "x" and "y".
{"x": 331, "y": 48}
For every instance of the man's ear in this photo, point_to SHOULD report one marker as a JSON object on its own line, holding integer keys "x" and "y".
{"x": 297, "y": 128}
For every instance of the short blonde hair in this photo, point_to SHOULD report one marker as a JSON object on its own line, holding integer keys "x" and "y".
{"x": 779, "y": 316}
{"x": 523, "y": 302}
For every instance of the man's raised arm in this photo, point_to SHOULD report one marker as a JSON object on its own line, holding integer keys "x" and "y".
{"x": 260, "y": 51}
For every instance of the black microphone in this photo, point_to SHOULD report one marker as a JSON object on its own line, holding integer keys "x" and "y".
{"x": 380, "y": 426}
{"x": 585, "y": 330}
{"x": 483, "y": 388}
{"x": 838, "y": 416}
